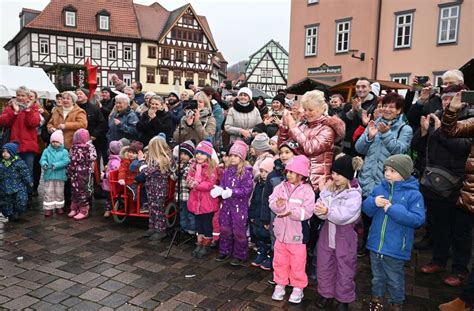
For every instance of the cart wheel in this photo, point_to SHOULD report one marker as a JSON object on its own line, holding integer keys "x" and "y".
{"x": 171, "y": 213}
{"x": 119, "y": 206}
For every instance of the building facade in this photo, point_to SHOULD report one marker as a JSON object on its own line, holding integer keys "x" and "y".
{"x": 68, "y": 32}
{"x": 267, "y": 69}
{"x": 335, "y": 41}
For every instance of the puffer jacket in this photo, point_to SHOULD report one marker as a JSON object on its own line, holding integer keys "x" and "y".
{"x": 15, "y": 176}
{"x": 241, "y": 117}
{"x": 395, "y": 141}
{"x": 392, "y": 233}
{"x": 57, "y": 158}
{"x": 23, "y": 127}
{"x": 299, "y": 200}
{"x": 126, "y": 173}
{"x": 76, "y": 119}
{"x": 200, "y": 200}
{"x": 316, "y": 141}
{"x": 463, "y": 128}
{"x": 127, "y": 127}
{"x": 112, "y": 165}
{"x": 241, "y": 186}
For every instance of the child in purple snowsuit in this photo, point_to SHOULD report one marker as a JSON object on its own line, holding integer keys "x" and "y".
{"x": 82, "y": 155}
{"x": 339, "y": 204}
{"x": 236, "y": 188}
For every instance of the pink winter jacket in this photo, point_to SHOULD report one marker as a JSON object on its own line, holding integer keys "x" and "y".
{"x": 200, "y": 200}
{"x": 112, "y": 165}
{"x": 316, "y": 141}
{"x": 300, "y": 202}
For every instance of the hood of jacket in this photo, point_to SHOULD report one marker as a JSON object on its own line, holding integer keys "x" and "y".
{"x": 338, "y": 126}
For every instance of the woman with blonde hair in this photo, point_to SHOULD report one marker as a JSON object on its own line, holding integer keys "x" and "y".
{"x": 156, "y": 169}
{"x": 197, "y": 124}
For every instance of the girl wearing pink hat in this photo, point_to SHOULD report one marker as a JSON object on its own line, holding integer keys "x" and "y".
{"x": 293, "y": 203}
{"x": 235, "y": 188}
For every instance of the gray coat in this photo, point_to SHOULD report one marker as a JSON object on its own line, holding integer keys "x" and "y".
{"x": 236, "y": 121}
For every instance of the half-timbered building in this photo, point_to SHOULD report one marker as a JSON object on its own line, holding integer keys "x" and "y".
{"x": 68, "y": 32}
{"x": 267, "y": 69}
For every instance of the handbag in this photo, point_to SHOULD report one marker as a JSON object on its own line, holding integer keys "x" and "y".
{"x": 440, "y": 181}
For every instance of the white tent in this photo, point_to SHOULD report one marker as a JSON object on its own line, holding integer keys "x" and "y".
{"x": 12, "y": 77}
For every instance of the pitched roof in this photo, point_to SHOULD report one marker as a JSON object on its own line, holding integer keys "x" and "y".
{"x": 123, "y": 22}
{"x": 29, "y": 10}
{"x": 207, "y": 29}
{"x": 221, "y": 57}
{"x": 151, "y": 20}
{"x": 173, "y": 17}
{"x": 261, "y": 60}
{"x": 263, "y": 47}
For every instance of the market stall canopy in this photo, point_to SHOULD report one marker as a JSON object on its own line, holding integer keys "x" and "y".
{"x": 348, "y": 87}
{"x": 308, "y": 84}
{"x": 12, "y": 77}
{"x": 257, "y": 93}
{"x": 468, "y": 71}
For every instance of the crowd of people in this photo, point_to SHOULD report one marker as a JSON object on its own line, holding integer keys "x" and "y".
{"x": 310, "y": 184}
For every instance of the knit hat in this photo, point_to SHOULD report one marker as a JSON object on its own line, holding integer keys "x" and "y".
{"x": 274, "y": 139}
{"x": 451, "y": 90}
{"x": 81, "y": 136}
{"x": 151, "y": 94}
{"x": 279, "y": 98}
{"x": 240, "y": 149}
{"x": 245, "y": 90}
{"x": 85, "y": 91}
{"x": 125, "y": 142}
{"x": 174, "y": 94}
{"x": 135, "y": 146}
{"x": 260, "y": 128}
{"x": 267, "y": 165}
{"x": 298, "y": 164}
{"x": 261, "y": 142}
{"x": 290, "y": 144}
{"x": 115, "y": 146}
{"x": 346, "y": 165}
{"x": 161, "y": 135}
{"x": 205, "y": 147}
{"x": 187, "y": 147}
{"x": 401, "y": 163}
{"x": 57, "y": 136}
{"x": 12, "y": 148}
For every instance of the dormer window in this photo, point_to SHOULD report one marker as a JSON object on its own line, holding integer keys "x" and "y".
{"x": 70, "y": 16}
{"x": 103, "y": 20}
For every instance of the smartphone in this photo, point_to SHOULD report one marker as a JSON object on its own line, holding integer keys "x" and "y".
{"x": 467, "y": 97}
{"x": 421, "y": 82}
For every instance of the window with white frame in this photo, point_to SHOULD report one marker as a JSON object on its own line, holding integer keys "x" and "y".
{"x": 402, "y": 79}
{"x": 70, "y": 18}
{"x": 267, "y": 73}
{"x": 79, "y": 49}
{"x": 104, "y": 22}
{"x": 313, "y": 1}
{"x": 95, "y": 50}
{"x": 448, "y": 24}
{"x": 403, "y": 30}
{"x": 311, "y": 41}
{"x": 44, "y": 46}
{"x": 127, "y": 53}
{"x": 62, "y": 48}
{"x": 109, "y": 79}
{"x": 127, "y": 78}
{"x": 343, "y": 31}
{"x": 112, "y": 52}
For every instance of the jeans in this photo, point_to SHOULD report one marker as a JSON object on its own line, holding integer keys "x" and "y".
{"x": 204, "y": 224}
{"x": 451, "y": 226}
{"x": 186, "y": 219}
{"x": 388, "y": 273}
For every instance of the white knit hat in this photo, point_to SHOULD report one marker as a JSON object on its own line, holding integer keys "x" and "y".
{"x": 245, "y": 90}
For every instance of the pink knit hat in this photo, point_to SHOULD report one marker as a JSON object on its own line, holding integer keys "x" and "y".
{"x": 81, "y": 136}
{"x": 205, "y": 148}
{"x": 115, "y": 146}
{"x": 298, "y": 164}
{"x": 267, "y": 165}
{"x": 57, "y": 136}
{"x": 240, "y": 149}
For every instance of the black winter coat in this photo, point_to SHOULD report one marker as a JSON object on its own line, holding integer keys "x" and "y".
{"x": 96, "y": 123}
{"x": 418, "y": 109}
{"x": 162, "y": 123}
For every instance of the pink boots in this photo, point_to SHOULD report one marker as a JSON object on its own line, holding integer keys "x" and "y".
{"x": 78, "y": 213}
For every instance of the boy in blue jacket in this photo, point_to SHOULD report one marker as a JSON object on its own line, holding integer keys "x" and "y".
{"x": 396, "y": 207}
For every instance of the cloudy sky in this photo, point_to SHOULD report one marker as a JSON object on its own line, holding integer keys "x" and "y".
{"x": 240, "y": 27}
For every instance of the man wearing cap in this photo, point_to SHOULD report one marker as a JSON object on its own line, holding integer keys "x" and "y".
{"x": 175, "y": 107}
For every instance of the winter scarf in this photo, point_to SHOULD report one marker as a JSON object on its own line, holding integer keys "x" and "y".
{"x": 244, "y": 108}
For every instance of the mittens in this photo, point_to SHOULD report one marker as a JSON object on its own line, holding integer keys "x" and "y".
{"x": 216, "y": 191}
{"x": 227, "y": 193}
{"x": 121, "y": 182}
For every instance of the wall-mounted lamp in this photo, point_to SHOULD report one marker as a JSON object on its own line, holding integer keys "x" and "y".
{"x": 361, "y": 57}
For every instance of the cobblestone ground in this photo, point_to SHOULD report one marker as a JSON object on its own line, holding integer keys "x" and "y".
{"x": 99, "y": 265}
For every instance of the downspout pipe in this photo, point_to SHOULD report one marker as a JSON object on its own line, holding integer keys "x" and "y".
{"x": 377, "y": 42}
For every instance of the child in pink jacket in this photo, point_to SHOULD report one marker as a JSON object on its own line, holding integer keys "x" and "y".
{"x": 293, "y": 203}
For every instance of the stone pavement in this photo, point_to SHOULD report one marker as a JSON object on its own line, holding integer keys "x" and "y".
{"x": 99, "y": 265}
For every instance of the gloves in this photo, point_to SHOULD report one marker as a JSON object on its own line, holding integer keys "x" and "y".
{"x": 227, "y": 193}
{"x": 121, "y": 182}
{"x": 216, "y": 191}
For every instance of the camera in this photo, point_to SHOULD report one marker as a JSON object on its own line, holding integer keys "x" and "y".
{"x": 228, "y": 84}
{"x": 187, "y": 83}
{"x": 190, "y": 104}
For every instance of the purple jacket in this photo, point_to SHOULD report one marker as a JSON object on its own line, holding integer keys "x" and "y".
{"x": 112, "y": 165}
{"x": 299, "y": 200}
{"x": 241, "y": 187}
{"x": 344, "y": 208}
